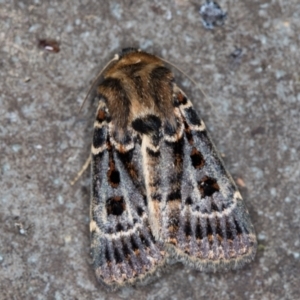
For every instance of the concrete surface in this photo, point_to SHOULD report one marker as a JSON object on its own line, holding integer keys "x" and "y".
{"x": 252, "y": 112}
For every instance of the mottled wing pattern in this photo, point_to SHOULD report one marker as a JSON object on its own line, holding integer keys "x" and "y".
{"x": 123, "y": 247}
{"x": 203, "y": 218}
{"x": 160, "y": 192}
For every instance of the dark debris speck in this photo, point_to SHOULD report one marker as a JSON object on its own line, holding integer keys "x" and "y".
{"x": 212, "y": 14}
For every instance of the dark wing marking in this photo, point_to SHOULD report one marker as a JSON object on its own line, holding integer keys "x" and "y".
{"x": 123, "y": 247}
{"x": 204, "y": 219}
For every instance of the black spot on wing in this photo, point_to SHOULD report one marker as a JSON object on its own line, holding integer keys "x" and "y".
{"x": 119, "y": 227}
{"x": 197, "y": 158}
{"x": 118, "y": 256}
{"x": 134, "y": 244}
{"x": 209, "y": 230}
{"x": 126, "y": 157}
{"x": 230, "y": 230}
{"x": 188, "y": 228}
{"x": 208, "y": 186}
{"x": 191, "y": 116}
{"x": 169, "y": 129}
{"x": 175, "y": 195}
{"x": 114, "y": 177}
{"x": 179, "y": 99}
{"x": 147, "y": 125}
{"x": 198, "y": 232}
{"x": 115, "y": 206}
{"x": 99, "y": 137}
{"x": 140, "y": 211}
{"x": 152, "y": 153}
{"x": 145, "y": 201}
{"x": 107, "y": 255}
{"x": 188, "y": 201}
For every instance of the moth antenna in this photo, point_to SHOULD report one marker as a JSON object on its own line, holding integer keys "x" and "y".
{"x": 192, "y": 80}
{"x": 116, "y": 57}
{"x": 79, "y": 174}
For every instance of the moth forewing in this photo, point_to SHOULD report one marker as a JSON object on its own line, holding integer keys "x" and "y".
{"x": 160, "y": 192}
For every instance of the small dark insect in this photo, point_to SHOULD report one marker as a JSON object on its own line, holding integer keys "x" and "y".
{"x": 236, "y": 56}
{"x": 237, "y": 53}
{"x": 49, "y": 45}
{"x": 212, "y": 14}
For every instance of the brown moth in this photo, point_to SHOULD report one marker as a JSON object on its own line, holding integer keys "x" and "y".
{"x": 160, "y": 192}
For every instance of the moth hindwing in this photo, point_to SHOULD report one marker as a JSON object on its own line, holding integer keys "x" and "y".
{"x": 160, "y": 192}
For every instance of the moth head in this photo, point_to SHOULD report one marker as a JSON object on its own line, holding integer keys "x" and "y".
{"x": 128, "y": 50}
{"x": 129, "y": 59}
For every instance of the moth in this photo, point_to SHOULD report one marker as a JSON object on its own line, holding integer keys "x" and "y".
{"x": 160, "y": 192}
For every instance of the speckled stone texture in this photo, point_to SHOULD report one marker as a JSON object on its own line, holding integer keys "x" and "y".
{"x": 252, "y": 112}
